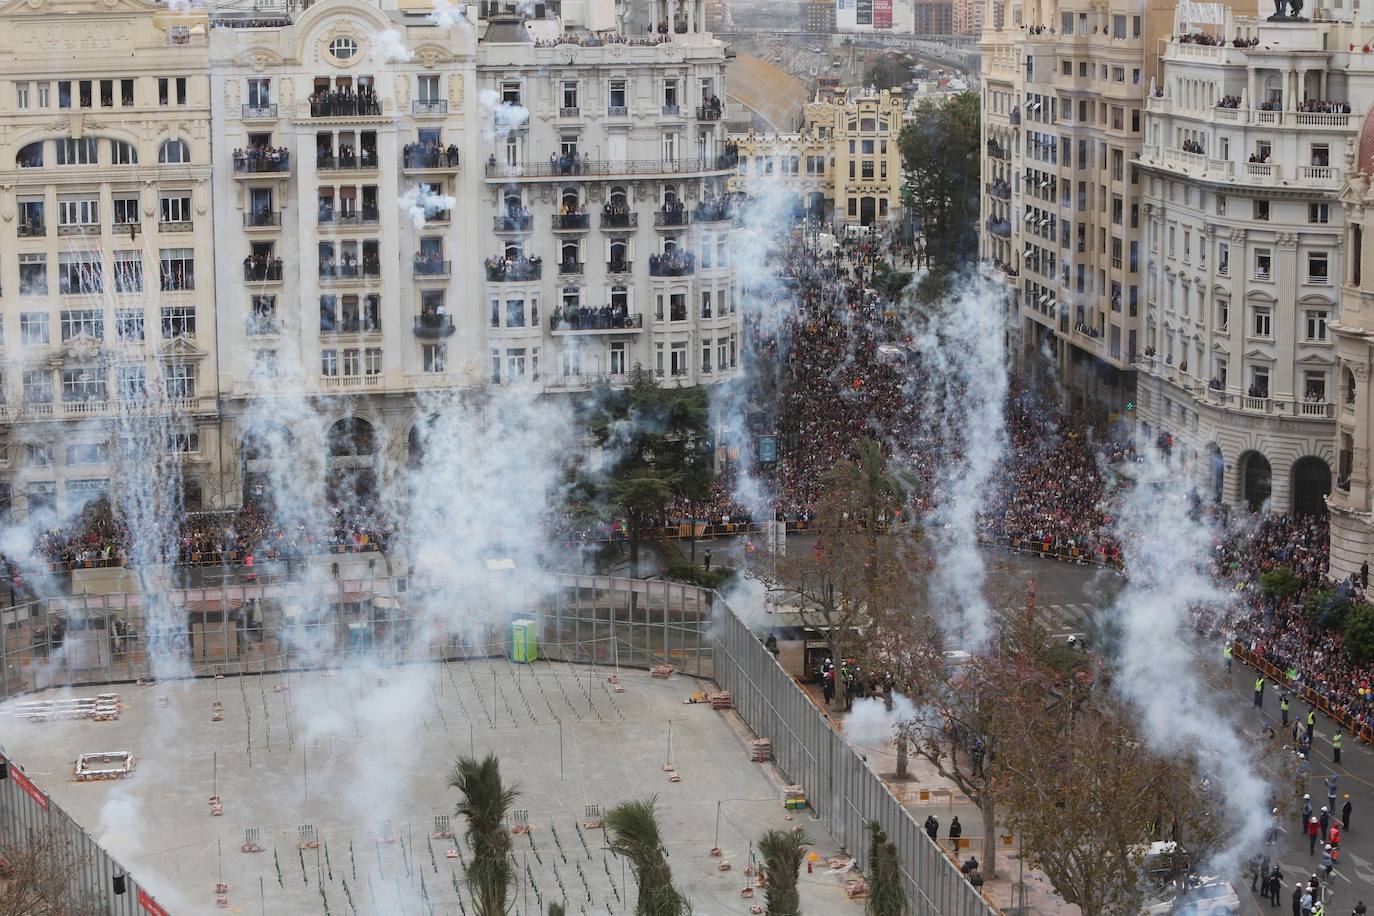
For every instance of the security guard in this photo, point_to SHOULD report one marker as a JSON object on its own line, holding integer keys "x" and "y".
{"x": 1259, "y": 692}
{"x": 1226, "y": 654}
{"x": 1336, "y": 747}
{"x": 1311, "y": 723}
{"x": 1283, "y": 708}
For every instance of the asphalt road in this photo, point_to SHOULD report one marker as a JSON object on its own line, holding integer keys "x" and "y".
{"x": 1353, "y": 878}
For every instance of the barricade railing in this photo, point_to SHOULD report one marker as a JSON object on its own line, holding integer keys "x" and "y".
{"x": 1319, "y": 701}
{"x": 1048, "y": 550}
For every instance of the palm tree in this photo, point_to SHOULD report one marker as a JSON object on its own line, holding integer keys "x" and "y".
{"x": 485, "y": 803}
{"x": 885, "y": 894}
{"x": 633, "y": 829}
{"x": 783, "y": 852}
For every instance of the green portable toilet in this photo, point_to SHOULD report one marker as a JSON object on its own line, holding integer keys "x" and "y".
{"x": 524, "y": 641}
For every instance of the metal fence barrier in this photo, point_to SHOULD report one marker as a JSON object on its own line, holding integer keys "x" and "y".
{"x": 26, "y": 811}
{"x": 602, "y": 620}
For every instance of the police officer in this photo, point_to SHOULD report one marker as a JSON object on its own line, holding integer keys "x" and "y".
{"x": 1283, "y": 708}
{"x": 1311, "y": 723}
{"x": 1226, "y": 654}
{"x": 1259, "y": 692}
{"x": 1336, "y": 747}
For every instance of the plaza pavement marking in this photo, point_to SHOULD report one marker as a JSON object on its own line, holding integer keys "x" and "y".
{"x": 1058, "y": 619}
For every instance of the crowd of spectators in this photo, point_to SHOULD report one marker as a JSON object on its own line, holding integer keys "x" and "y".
{"x": 262, "y": 158}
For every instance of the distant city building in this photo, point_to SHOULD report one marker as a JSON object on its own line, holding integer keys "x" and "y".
{"x": 968, "y": 17}
{"x": 933, "y": 17}
{"x": 844, "y": 164}
{"x": 818, "y": 15}
{"x": 875, "y": 16}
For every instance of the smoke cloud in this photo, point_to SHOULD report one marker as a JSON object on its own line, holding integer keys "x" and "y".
{"x": 505, "y": 117}
{"x": 421, "y": 203}
{"x": 391, "y": 48}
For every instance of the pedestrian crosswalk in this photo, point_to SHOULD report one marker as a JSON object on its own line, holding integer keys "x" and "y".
{"x": 1060, "y": 620}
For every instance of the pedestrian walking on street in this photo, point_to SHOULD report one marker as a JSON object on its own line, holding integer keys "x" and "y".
{"x": 1259, "y": 693}
{"x": 1313, "y": 831}
{"x": 1345, "y": 814}
{"x": 1283, "y": 708}
{"x": 1306, "y": 903}
{"x": 1325, "y": 820}
{"x": 1336, "y": 747}
{"x": 1311, "y": 723}
{"x": 933, "y": 827}
{"x": 1331, "y": 791}
{"x": 956, "y": 830}
{"x": 1328, "y": 863}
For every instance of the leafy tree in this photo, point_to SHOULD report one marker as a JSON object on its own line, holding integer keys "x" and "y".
{"x": 1327, "y": 607}
{"x": 633, "y": 830}
{"x": 940, "y": 155}
{"x": 656, "y": 448}
{"x": 858, "y": 572}
{"x": 885, "y": 894}
{"x": 1359, "y": 633}
{"x": 1279, "y": 583}
{"x": 485, "y": 803}
{"x": 783, "y": 852}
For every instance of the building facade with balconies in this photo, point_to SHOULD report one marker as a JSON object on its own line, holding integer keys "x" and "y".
{"x": 347, "y": 273}
{"x": 1064, "y": 92}
{"x": 605, "y": 184}
{"x": 844, "y": 164}
{"x": 1247, "y": 135}
{"x": 107, "y": 282}
{"x": 1352, "y": 499}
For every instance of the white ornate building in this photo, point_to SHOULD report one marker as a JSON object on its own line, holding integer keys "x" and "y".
{"x": 107, "y": 286}
{"x": 1244, "y": 225}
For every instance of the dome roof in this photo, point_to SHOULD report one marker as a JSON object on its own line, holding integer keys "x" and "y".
{"x": 1366, "y": 161}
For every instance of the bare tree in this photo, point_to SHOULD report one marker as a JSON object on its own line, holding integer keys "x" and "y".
{"x": 43, "y": 877}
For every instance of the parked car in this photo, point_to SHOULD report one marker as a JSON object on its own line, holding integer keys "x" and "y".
{"x": 1212, "y": 897}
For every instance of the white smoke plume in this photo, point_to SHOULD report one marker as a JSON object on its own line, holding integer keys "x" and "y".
{"x": 1167, "y": 548}
{"x": 391, "y": 48}
{"x": 871, "y": 722}
{"x": 963, "y": 355}
{"x": 421, "y": 203}
{"x": 447, "y": 15}
{"x": 505, "y": 117}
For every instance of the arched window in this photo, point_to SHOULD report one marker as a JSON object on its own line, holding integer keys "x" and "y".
{"x": 570, "y": 199}
{"x": 618, "y": 198}
{"x": 669, "y": 195}
{"x": 174, "y": 151}
{"x": 31, "y": 156}
{"x": 122, "y": 153}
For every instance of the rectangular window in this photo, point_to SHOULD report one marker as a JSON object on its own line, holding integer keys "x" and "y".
{"x": 131, "y": 383}
{"x": 618, "y": 361}
{"x": 679, "y": 358}
{"x": 1262, "y": 323}
{"x": 88, "y": 453}
{"x": 80, "y": 273}
{"x": 1317, "y": 267}
{"x": 38, "y": 386}
{"x": 176, "y": 208}
{"x": 1316, "y": 324}
{"x": 181, "y": 380}
{"x": 21, "y": 95}
{"x": 1319, "y": 213}
{"x": 33, "y": 328}
{"x": 128, "y": 271}
{"x": 129, "y": 324}
{"x": 434, "y": 357}
{"x": 86, "y": 384}
{"x": 617, "y": 95}
{"x": 178, "y": 321}
{"x": 372, "y": 364}
{"x": 77, "y": 152}
{"x": 83, "y": 323}
{"x": 78, "y": 213}
{"x": 1263, "y": 262}
{"x": 33, "y": 275}
{"x": 329, "y": 363}
{"x": 178, "y": 268}
{"x": 1262, "y": 210}
{"x": 126, "y": 211}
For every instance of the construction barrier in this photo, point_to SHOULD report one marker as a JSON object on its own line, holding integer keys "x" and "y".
{"x": 1047, "y": 550}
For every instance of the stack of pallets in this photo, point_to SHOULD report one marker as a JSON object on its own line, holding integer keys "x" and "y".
{"x": 760, "y": 750}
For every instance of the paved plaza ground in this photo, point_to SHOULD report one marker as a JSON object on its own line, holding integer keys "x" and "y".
{"x": 358, "y": 760}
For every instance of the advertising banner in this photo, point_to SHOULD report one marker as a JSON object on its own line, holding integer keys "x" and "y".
{"x": 882, "y": 14}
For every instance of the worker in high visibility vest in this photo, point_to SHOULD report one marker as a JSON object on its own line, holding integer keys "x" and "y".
{"x": 1311, "y": 723}
{"x": 1283, "y": 708}
{"x": 1336, "y": 747}
{"x": 1226, "y": 654}
{"x": 1259, "y": 693}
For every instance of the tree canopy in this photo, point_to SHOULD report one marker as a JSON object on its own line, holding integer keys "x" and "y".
{"x": 941, "y": 159}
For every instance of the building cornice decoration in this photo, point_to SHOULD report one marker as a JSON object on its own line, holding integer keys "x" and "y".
{"x": 260, "y": 59}
{"x": 1286, "y": 240}
{"x": 1238, "y": 235}
{"x": 343, "y": 28}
